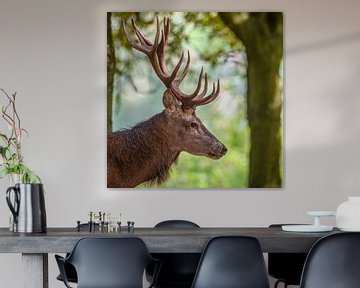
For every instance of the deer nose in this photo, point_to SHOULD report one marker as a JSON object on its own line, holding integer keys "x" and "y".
{"x": 223, "y": 150}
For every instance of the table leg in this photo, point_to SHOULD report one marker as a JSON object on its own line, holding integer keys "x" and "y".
{"x": 35, "y": 270}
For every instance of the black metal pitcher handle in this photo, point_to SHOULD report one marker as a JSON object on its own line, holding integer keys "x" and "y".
{"x": 13, "y": 208}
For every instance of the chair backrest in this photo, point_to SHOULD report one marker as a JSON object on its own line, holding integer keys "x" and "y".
{"x": 110, "y": 262}
{"x": 176, "y": 224}
{"x": 178, "y": 269}
{"x": 232, "y": 262}
{"x": 333, "y": 262}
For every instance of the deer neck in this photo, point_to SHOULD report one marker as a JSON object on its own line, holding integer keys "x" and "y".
{"x": 155, "y": 144}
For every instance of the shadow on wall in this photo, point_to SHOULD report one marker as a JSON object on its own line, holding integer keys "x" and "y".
{"x": 322, "y": 158}
{"x": 323, "y": 44}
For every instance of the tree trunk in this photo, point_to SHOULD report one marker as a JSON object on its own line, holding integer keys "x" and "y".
{"x": 262, "y": 35}
{"x": 110, "y": 73}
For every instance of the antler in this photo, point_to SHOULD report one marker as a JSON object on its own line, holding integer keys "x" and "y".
{"x": 156, "y": 54}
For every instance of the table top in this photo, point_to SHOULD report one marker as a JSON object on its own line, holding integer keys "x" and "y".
{"x": 158, "y": 240}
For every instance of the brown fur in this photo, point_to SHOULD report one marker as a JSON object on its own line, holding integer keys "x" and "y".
{"x": 141, "y": 154}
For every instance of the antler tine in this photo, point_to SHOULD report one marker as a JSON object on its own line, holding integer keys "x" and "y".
{"x": 180, "y": 95}
{"x": 161, "y": 48}
{"x": 166, "y": 27}
{"x": 145, "y": 45}
{"x": 161, "y": 54}
{"x": 193, "y": 100}
{"x": 165, "y": 31}
{"x": 176, "y": 69}
{"x": 156, "y": 41}
{"x": 183, "y": 74}
{"x": 139, "y": 35}
{"x": 131, "y": 42}
{"x": 211, "y": 97}
{"x": 195, "y": 93}
{"x": 203, "y": 93}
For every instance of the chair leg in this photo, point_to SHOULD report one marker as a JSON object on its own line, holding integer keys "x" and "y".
{"x": 278, "y": 282}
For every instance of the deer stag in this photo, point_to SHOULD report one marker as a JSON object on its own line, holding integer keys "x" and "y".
{"x": 146, "y": 152}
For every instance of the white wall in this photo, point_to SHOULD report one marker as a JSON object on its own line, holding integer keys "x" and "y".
{"x": 53, "y": 53}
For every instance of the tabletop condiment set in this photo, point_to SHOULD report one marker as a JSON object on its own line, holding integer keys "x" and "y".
{"x": 104, "y": 222}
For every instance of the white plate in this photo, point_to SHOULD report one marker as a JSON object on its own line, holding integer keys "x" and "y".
{"x": 321, "y": 213}
{"x": 306, "y": 228}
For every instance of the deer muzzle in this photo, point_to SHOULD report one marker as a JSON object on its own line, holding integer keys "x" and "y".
{"x": 218, "y": 151}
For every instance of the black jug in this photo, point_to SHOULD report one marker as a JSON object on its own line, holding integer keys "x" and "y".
{"x": 28, "y": 208}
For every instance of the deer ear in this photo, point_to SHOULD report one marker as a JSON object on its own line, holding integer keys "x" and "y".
{"x": 170, "y": 101}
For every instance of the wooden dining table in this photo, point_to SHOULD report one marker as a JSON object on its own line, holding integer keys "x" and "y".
{"x": 35, "y": 247}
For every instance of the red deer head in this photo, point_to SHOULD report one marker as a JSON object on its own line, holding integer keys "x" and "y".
{"x": 146, "y": 152}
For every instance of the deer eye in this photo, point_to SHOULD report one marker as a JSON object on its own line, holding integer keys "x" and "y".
{"x": 193, "y": 124}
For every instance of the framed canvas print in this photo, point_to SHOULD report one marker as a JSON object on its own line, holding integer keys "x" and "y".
{"x": 194, "y": 100}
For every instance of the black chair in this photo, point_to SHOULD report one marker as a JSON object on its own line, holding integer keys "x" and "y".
{"x": 70, "y": 271}
{"x": 178, "y": 269}
{"x": 232, "y": 262}
{"x": 286, "y": 267}
{"x": 108, "y": 263}
{"x": 333, "y": 262}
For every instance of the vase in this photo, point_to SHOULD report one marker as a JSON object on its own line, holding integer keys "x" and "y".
{"x": 27, "y": 204}
{"x": 348, "y": 214}
{"x": 14, "y": 179}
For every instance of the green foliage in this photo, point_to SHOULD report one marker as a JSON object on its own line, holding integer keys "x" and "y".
{"x": 26, "y": 175}
{"x": 11, "y": 159}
